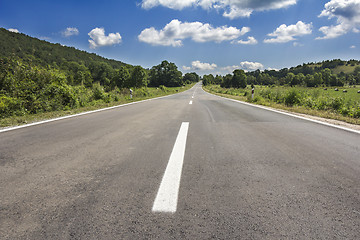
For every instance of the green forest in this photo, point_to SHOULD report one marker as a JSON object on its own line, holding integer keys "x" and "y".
{"x": 37, "y": 76}
{"x": 334, "y": 73}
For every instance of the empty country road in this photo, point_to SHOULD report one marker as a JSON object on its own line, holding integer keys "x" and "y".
{"x": 187, "y": 166}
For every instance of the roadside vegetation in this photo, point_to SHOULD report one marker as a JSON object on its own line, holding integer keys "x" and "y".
{"x": 40, "y": 80}
{"x": 312, "y": 88}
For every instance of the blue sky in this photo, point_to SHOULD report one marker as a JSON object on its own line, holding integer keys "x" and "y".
{"x": 205, "y": 36}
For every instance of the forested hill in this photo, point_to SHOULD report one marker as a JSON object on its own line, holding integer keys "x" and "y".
{"x": 43, "y": 53}
{"x": 37, "y": 76}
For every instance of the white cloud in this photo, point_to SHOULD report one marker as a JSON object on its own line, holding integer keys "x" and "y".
{"x": 70, "y": 31}
{"x": 13, "y": 30}
{"x": 99, "y": 39}
{"x": 185, "y": 68}
{"x": 173, "y": 4}
{"x": 175, "y": 31}
{"x": 199, "y": 66}
{"x": 347, "y": 13}
{"x": 285, "y": 33}
{"x": 250, "y": 41}
{"x": 251, "y": 66}
{"x": 333, "y": 31}
{"x": 231, "y": 8}
{"x": 273, "y": 69}
{"x": 207, "y": 68}
{"x": 229, "y": 69}
{"x": 246, "y": 66}
{"x": 353, "y": 47}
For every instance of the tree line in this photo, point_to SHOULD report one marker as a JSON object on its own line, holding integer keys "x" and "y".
{"x": 307, "y": 75}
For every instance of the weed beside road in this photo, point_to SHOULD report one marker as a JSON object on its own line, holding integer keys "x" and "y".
{"x": 121, "y": 97}
{"x": 343, "y": 104}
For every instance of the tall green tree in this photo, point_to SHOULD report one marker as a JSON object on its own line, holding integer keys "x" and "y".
{"x": 191, "y": 78}
{"x": 239, "y": 79}
{"x": 138, "y": 78}
{"x": 166, "y": 74}
{"x": 121, "y": 77}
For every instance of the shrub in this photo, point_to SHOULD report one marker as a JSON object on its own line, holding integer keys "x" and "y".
{"x": 336, "y": 103}
{"x": 162, "y": 88}
{"x": 98, "y": 91}
{"x": 141, "y": 92}
{"x": 10, "y": 106}
{"x": 292, "y": 98}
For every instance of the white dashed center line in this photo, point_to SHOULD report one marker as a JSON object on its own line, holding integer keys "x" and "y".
{"x": 190, "y": 102}
{"x": 167, "y": 196}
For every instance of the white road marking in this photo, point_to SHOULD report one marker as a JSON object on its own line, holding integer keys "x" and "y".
{"x": 190, "y": 102}
{"x": 167, "y": 196}
{"x": 192, "y": 97}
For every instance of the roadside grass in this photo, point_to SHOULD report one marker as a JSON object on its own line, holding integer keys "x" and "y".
{"x": 138, "y": 95}
{"x": 331, "y": 104}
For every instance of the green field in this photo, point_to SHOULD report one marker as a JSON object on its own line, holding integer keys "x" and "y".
{"x": 328, "y": 103}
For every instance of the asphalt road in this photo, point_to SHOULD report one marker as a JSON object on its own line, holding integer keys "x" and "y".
{"x": 247, "y": 173}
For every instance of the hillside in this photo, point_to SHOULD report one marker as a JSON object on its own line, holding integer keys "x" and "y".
{"x": 37, "y": 77}
{"x": 41, "y": 52}
{"x": 337, "y": 66}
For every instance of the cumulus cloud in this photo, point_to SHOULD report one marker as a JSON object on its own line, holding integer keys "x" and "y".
{"x": 214, "y": 69}
{"x": 197, "y": 65}
{"x": 231, "y": 8}
{"x": 347, "y": 14}
{"x": 246, "y": 66}
{"x": 200, "y": 66}
{"x": 99, "y": 39}
{"x": 173, "y": 4}
{"x": 175, "y": 31}
{"x": 249, "y": 41}
{"x": 353, "y": 47}
{"x": 13, "y": 30}
{"x": 251, "y": 66}
{"x": 70, "y": 31}
{"x": 289, "y": 33}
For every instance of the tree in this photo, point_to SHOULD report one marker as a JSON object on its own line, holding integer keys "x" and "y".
{"x": 318, "y": 79}
{"x": 208, "y": 79}
{"x": 226, "y": 81}
{"x": 121, "y": 77}
{"x": 239, "y": 79}
{"x": 326, "y": 76}
{"x": 290, "y": 79}
{"x": 218, "y": 79}
{"x": 309, "y": 80}
{"x": 191, "y": 78}
{"x": 165, "y": 74}
{"x": 138, "y": 78}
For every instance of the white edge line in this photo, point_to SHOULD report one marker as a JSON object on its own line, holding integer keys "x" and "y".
{"x": 7, "y": 129}
{"x": 289, "y": 114}
{"x": 167, "y": 196}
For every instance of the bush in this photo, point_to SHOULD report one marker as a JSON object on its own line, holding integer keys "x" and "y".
{"x": 98, "y": 91}
{"x": 292, "y": 98}
{"x": 141, "y": 92}
{"x": 336, "y": 103}
{"x": 162, "y": 88}
{"x": 10, "y": 106}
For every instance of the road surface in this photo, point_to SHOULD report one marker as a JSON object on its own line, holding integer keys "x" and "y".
{"x": 187, "y": 166}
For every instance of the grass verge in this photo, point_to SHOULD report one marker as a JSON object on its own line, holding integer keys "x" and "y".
{"x": 245, "y": 96}
{"x": 138, "y": 95}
